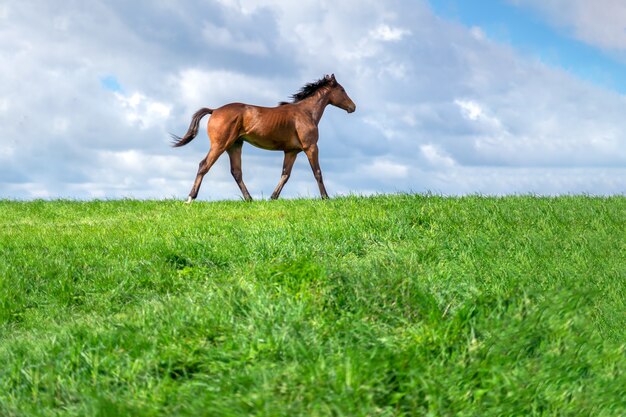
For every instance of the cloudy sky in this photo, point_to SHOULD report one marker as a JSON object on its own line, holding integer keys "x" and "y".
{"x": 453, "y": 97}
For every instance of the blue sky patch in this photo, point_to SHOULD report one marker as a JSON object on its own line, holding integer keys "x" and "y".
{"x": 530, "y": 35}
{"x": 110, "y": 83}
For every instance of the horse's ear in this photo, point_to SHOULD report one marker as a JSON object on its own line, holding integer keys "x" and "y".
{"x": 332, "y": 79}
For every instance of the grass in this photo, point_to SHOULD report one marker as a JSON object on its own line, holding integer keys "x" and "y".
{"x": 405, "y": 305}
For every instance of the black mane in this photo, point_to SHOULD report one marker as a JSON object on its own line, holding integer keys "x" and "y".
{"x": 309, "y": 89}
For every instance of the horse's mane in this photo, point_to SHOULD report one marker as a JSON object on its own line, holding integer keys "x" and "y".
{"x": 309, "y": 89}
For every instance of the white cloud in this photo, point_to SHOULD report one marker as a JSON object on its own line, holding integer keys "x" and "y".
{"x": 478, "y": 33}
{"x": 386, "y": 169}
{"x": 227, "y": 39}
{"x": 60, "y": 125}
{"x": 387, "y": 33}
{"x": 436, "y": 157}
{"x": 6, "y": 151}
{"x": 213, "y": 88}
{"x": 143, "y": 111}
{"x": 473, "y": 111}
{"x": 470, "y": 110}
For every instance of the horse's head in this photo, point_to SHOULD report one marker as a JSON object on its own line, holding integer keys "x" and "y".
{"x": 338, "y": 96}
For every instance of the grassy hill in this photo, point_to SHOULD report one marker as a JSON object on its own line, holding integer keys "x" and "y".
{"x": 382, "y": 306}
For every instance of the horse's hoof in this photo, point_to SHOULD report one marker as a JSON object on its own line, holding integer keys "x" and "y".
{"x": 189, "y": 200}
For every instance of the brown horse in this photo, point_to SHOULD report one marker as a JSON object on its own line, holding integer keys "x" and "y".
{"x": 290, "y": 127}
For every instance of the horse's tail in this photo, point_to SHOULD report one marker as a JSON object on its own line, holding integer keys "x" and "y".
{"x": 193, "y": 128}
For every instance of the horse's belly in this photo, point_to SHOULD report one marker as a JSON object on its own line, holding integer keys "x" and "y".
{"x": 271, "y": 144}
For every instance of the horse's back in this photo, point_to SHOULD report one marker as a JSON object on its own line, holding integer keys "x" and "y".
{"x": 247, "y": 111}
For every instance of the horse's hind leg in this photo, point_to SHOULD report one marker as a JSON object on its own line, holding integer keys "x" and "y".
{"x": 234, "y": 153}
{"x": 223, "y": 133}
{"x": 204, "y": 167}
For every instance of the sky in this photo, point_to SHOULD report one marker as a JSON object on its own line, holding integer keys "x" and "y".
{"x": 453, "y": 97}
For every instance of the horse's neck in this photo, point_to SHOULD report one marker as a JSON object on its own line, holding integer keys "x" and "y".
{"x": 315, "y": 105}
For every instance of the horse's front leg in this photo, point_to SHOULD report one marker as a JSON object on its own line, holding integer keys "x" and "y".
{"x": 312, "y": 154}
{"x": 290, "y": 158}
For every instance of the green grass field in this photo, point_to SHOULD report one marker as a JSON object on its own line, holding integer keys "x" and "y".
{"x": 383, "y": 306}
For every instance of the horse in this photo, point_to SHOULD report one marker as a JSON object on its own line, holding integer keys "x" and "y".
{"x": 290, "y": 127}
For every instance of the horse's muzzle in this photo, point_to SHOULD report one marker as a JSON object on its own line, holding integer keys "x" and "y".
{"x": 351, "y": 109}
